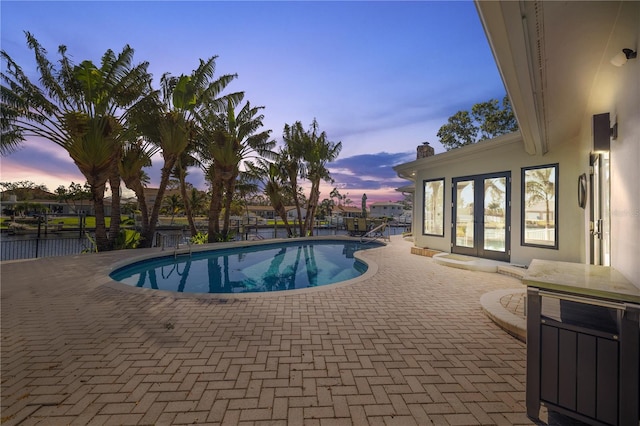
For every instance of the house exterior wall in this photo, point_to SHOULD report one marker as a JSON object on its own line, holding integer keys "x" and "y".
{"x": 500, "y": 155}
{"x": 386, "y": 209}
{"x": 625, "y": 175}
{"x": 617, "y": 91}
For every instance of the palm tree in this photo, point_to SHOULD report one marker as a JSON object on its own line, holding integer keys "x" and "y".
{"x": 229, "y": 139}
{"x": 82, "y": 108}
{"x": 290, "y": 159}
{"x": 271, "y": 176}
{"x": 308, "y": 152}
{"x": 318, "y": 153}
{"x": 172, "y": 122}
{"x": 246, "y": 185}
{"x": 197, "y": 201}
{"x": 180, "y": 172}
{"x": 172, "y": 204}
{"x": 135, "y": 156}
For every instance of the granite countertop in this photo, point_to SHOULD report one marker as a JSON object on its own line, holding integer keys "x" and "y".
{"x": 586, "y": 280}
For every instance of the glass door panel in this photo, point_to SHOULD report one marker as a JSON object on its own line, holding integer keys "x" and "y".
{"x": 481, "y": 216}
{"x": 465, "y": 226}
{"x": 495, "y": 213}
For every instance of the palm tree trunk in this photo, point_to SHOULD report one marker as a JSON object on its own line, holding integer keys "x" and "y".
{"x": 214, "y": 209}
{"x": 114, "y": 184}
{"x": 293, "y": 182}
{"x": 102, "y": 241}
{"x": 282, "y": 212}
{"x": 187, "y": 204}
{"x": 147, "y": 239}
{"x": 230, "y": 186}
{"x": 138, "y": 189}
{"x": 312, "y": 204}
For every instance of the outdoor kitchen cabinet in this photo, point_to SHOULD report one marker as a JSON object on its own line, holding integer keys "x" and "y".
{"x": 583, "y": 343}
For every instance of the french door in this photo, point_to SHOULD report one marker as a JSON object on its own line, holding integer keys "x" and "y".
{"x": 481, "y": 216}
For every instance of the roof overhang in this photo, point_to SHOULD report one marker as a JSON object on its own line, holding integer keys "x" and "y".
{"x": 553, "y": 58}
{"x": 469, "y": 152}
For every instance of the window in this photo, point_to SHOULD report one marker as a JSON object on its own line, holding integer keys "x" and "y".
{"x": 433, "y": 207}
{"x": 540, "y": 206}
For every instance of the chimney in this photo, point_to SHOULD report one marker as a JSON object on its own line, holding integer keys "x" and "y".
{"x": 425, "y": 150}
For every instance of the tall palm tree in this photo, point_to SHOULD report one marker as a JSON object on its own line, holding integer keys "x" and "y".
{"x": 290, "y": 159}
{"x": 82, "y": 108}
{"x": 197, "y": 201}
{"x": 172, "y": 204}
{"x": 135, "y": 156}
{"x": 172, "y": 123}
{"x": 229, "y": 139}
{"x": 271, "y": 176}
{"x": 318, "y": 152}
{"x": 246, "y": 185}
{"x": 308, "y": 152}
{"x": 186, "y": 159}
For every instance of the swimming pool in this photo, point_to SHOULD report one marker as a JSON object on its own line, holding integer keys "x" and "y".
{"x": 257, "y": 268}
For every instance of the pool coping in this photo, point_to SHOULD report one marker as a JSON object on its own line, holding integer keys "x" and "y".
{"x": 102, "y": 276}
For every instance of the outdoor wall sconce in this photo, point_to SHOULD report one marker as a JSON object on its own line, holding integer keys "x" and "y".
{"x": 621, "y": 58}
{"x": 603, "y": 132}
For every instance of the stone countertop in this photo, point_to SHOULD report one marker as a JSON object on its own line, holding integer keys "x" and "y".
{"x": 586, "y": 280}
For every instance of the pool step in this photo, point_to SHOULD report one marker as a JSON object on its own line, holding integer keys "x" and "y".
{"x": 182, "y": 252}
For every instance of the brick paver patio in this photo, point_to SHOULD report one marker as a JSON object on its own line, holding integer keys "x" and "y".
{"x": 408, "y": 345}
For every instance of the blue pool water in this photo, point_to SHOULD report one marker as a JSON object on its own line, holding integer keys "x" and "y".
{"x": 268, "y": 267}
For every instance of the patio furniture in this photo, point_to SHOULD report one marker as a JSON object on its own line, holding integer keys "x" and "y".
{"x": 361, "y": 226}
{"x": 350, "y": 224}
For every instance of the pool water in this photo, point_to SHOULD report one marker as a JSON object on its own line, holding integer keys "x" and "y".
{"x": 261, "y": 268}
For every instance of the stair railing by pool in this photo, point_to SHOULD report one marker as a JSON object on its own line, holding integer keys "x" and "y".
{"x": 186, "y": 240}
{"x": 376, "y": 233}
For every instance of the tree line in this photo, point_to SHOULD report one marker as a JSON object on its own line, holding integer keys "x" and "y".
{"x": 111, "y": 121}
{"x": 486, "y": 120}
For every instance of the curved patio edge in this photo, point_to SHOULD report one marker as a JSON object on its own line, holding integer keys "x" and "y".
{"x": 511, "y": 323}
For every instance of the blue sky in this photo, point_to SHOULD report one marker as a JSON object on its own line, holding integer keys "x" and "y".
{"x": 381, "y": 77}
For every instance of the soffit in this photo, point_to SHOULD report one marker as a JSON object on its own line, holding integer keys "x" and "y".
{"x": 554, "y": 61}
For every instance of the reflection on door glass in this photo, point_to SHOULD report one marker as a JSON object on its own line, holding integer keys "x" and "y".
{"x": 495, "y": 208}
{"x": 540, "y": 193}
{"x": 464, "y": 213}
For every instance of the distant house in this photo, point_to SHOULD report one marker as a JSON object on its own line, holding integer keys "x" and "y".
{"x": 386, "y": 209}
{"x": 150, "y": 195}
{"x": 37, "y": 201}
{"x": 574, "y": 160}
{"x": 268, "y": 212}
{"x": 346, "y": 211}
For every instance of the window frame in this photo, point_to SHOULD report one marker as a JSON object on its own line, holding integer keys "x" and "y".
{"x": 523, "y": 206}
{"x": 424, "y": 201}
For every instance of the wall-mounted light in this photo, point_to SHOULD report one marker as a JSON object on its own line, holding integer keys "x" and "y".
{"x": 621, "y": 58}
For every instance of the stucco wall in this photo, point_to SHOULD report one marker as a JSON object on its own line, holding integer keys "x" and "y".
{"x": 507, "y": 154}
{"x": 616, "y": 90}
{"x": 625, "y": 155}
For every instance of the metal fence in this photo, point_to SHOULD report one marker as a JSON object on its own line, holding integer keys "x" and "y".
{"x": 14, "y": 248}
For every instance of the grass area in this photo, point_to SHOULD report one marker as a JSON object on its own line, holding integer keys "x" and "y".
{"x": 67, "y": 222}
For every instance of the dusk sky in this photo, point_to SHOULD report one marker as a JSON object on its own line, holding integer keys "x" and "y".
{"x": 381, "y": 77}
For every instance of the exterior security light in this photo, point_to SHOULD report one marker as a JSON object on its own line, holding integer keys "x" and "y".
{"x": 621, "y": 58}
